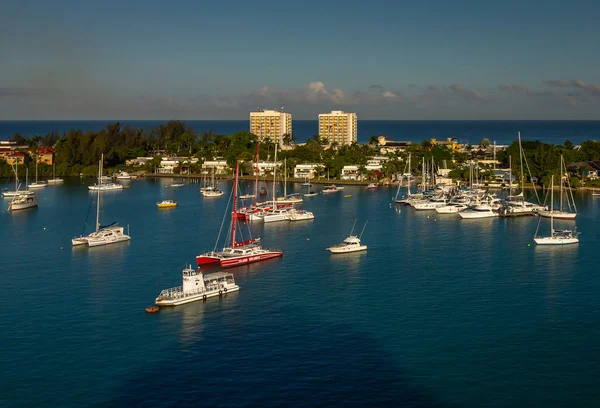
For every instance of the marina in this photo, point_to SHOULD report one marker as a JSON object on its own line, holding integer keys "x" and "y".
{"x": 486, "y": 297}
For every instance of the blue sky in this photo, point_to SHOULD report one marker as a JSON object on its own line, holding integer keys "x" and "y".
{"x": 186, "y": 59}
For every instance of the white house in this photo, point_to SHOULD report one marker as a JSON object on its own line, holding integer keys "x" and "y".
{"x": 375, "y": 163}
{"x": 306, "y": 170}
{"x": 265, "y": 166}
{"x": 350, "y": 172}
{"x": 219, "y": 165}
{"x": 169, "y": 164}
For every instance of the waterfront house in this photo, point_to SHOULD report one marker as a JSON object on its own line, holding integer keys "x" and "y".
{"x": 170, "y": 165}
{"x": 45, "y": 155}
{"x": 351, "y": 172}
{"x": 219, "y": 165}
{"x": 263, "y": 167}
{"x": 307, "y": 170}
{"x": 14, "y": 157}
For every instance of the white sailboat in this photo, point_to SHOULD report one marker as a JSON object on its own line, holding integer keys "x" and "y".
{"x": 557, "y": 237}
{"x": 275, "y": 214}
{"x": 54, "y": 180}
{"x": 561, "y": 214}
{"x": 104, "y": 235}
{"x": 16, "y": 192}
{"x": 23, "y": 199}
{"x": 212, "y": 191}
{"x": 292, "y": 198}
{"x": 37, "y": 184}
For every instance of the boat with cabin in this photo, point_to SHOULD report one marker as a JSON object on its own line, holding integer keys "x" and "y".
{"x": 299, "y": 215}
{"x": 166, "y": 204}
{"x": 351, "y": 244}
{"x": 197, "y": 286}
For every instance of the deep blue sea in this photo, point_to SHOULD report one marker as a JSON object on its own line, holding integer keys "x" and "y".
{"x": 503, "y": 132}
{"x": 438, "y": 312}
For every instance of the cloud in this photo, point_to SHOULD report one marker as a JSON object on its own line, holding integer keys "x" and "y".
{"x": 517, "y": 89}
{"x": 377, "y": 87}
{"x": 389, "y": 95}
{"x": 460, "y": 89}
{"x": 574, "y": 83}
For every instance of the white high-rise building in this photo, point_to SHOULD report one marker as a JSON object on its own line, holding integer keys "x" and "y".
{"x": 270, "y": 124}
{"x": 338, "y": 126}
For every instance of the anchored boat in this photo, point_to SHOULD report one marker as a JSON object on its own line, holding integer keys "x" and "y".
{"x": 197, "y": 286}
{"x": 350, "y": 244}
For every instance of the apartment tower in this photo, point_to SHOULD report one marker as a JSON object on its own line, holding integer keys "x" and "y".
{"x": 270, "y": 124}
{"x": 338, "y": 126}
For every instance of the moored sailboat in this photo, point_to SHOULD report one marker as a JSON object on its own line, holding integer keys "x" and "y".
{"x": 556, "y": 237}
{"x": 239, "y": 253}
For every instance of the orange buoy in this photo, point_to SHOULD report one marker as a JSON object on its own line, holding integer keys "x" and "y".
{"x": 152, "y": 309}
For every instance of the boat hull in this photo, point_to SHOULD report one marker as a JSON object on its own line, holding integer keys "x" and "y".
{"x": 347, "y": 250}
{"x": 466, "y": 215}
{"x": 557, "y": 215}
{"x": 202, "y": 260}
{"x": 245, "y": 260}
{"x": 102, "y": 242}
{"x": 556, "y": 241}
{"x": 196, "y": 297}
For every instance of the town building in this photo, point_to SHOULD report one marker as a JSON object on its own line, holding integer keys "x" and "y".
{"x": 307, "y": 170}
{"x": 351, "y": 172}
{"x": 45, "y": 155}
{"x": 219, "y": 165}
{"x": 386, "y": 146}
{"x": 271, "y": 125}
{"x": 339, "y": 127}
{"x": 265, "y": 167}
{"x": 13, "y": 157}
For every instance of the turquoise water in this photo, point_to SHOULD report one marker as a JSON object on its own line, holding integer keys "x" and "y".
{"x": 438, "y": 312}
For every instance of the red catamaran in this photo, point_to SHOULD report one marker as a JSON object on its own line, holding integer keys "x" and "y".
{"x": 239, "y": 253}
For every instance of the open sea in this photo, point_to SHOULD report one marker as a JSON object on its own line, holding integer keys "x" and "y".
{"x": 438, "y": 312}
{"x": 502, "y": 132}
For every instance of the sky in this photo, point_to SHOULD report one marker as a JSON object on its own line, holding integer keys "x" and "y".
{"x": 402, "y": 60}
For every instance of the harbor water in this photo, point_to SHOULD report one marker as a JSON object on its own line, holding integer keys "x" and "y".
{"x": 438, "y": 312}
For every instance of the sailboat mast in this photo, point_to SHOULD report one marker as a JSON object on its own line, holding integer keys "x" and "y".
{"x": 409, "y": 175}
{"x": 552, "y": 206}
{"x": 36, "y": 169}
{"x": 522, "y": 172}
{"x": 99, "y": 186}
{"x": 274, "y": 175}
{"x": 424, "y": 174}
{"x": 561, "y": 185}
{"x": 285, "y": 177}
{"x": 510, "y": 175}
{"x": 256, "y": 174}
{"x": 235, "y": 198}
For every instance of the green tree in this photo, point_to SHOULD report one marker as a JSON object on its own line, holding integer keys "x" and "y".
{"x": 485, "y": 143}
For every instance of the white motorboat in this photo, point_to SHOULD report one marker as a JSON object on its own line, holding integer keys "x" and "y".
{"x": 290, "y": 199}
{"x": 177, "y": 183}
{"x": 23, "y": 202}
{"x": 557, "y": 237}
{"x": 330, "y": 189}
{"x": 123, "y": 175}
{"x": 371, "y": 186}
{"x": 454, "y": 208}
{"x": 430, "y": 204}
{"x": 350, "y": 244}
{"x": 104, "y": 235}
{"x": 197, "y": 286}
{"x": 481, "y": 211}
{"x": 299, "y": 215}
{"x": 311, "y": 194}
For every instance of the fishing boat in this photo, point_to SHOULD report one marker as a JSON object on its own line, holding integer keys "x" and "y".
{"x": 166, "y": 204}
{"x": 103, "y": 235}
{"x": 350, "y": 244}
{"x": 197, "y": 286}
{"x": 561, "y": 213}
{"x": 556, "y": 237}
{"x": 239, "y": 253}
{"x": 54, "y": 180}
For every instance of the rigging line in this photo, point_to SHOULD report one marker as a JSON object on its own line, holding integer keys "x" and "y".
{"x": 531, "y": 178}
{"x": 353, "y": 226}
{"x": 568, "y": 183}
{"x": 363, "y": 230}
{"x": 223, "y": 221}
{"x": 87, "y": 215}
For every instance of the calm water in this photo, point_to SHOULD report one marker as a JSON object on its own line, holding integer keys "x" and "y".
{"x": 503, "y": 132}
{"x": 438, "y": 312}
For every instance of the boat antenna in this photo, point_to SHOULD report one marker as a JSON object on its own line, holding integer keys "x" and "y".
{"x": 363, "y": 230}
{"x": 353, "y": 225}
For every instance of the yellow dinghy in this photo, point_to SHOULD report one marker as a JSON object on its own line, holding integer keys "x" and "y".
{"x": 167, "y": 204}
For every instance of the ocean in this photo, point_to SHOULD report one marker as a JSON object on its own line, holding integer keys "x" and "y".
{"x": 437, "y": 312}
{"x": 502, "y": 132}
